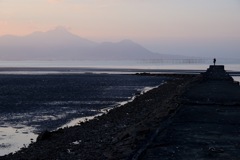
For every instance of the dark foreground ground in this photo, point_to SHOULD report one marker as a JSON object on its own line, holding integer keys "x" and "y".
{"x": 199, "y": 132}
{"x": 205, "y": 126}
{"x": 191, "y": 117}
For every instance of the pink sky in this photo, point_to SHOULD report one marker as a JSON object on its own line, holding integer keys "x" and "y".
{"x": 144, "y": 21}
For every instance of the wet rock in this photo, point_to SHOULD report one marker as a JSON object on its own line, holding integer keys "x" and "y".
{"x": 45, "y": 135}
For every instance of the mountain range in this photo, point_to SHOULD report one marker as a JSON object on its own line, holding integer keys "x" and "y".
{"x": 60, "y": 44}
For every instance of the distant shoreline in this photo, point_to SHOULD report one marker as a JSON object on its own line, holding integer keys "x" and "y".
{"x": 98, "y": 70}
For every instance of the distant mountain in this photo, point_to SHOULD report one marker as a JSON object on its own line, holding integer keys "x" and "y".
{"x": 57, "y": 37}
{"x": 59, "y": 44}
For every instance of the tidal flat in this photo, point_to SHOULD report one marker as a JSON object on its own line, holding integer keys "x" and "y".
{"x": 98, "y": 138}
{"x": 30, "y": 104}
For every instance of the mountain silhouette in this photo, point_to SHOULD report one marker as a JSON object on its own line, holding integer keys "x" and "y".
{"x": 60, "y": 44}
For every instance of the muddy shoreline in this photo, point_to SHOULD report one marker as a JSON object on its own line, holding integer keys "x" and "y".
{"x": 115, "y": 135}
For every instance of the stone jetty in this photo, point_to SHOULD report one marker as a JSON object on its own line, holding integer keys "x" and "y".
{"x": 206, "y": 125}
{"x": 216, "y": 86}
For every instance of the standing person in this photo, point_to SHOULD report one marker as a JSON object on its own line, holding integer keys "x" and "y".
{"x": 214, "y": 61}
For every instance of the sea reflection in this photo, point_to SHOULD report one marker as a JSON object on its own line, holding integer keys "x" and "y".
{"x": 236, "y": 78}
{"x": 15, "y": 138}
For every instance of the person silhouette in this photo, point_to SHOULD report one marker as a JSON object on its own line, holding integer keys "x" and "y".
{"x": 214, "y": 61}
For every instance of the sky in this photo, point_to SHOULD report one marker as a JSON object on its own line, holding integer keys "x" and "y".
{"x": 187, "y": 27}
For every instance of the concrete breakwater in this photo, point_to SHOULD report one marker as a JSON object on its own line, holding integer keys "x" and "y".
{"x": 206, "y": 123}
{"x": 216, "y": 86}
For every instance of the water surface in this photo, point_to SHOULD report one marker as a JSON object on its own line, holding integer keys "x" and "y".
{"x": 30, "y": 104}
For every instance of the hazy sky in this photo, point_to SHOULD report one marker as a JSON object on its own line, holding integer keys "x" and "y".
{"x": 189, "y": 27}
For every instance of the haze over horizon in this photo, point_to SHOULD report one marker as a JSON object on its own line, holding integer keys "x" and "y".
{"x": 191, "y": 28}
